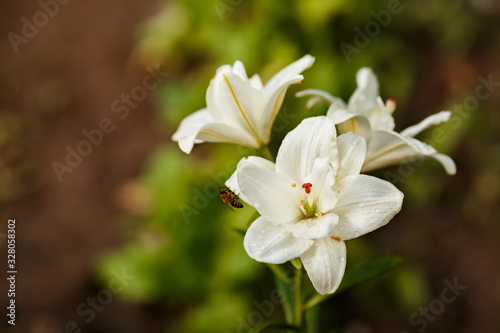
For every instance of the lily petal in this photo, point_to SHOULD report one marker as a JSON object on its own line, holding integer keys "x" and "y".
{"x": 233, "y": 101}
{"x": 320, "y": 96}
{"x": 192, "y": 124}
{"x": 313, "y": 137}
{"x": 434, "y": 119}
{"x": 325, "y": 264}
{"x": 256, "y": 82}
{"x": 239, "y": 69}
{"x": 232, "y": 182}
{"x": 391, "y": 148}
{"x": 275, "y": 89}
{"x": 348, "y": 121}
{"x": 266, "y": 242}
{"x": 367, "y": 90}
{"x": 380, "y": 118}
{"x": 288, "y": 74}
{"x": 365, "y": 203}
{"x": 212, "y": 132}
{"x": 315, "y": 227}
{"x": 272, "y": 194}
{"x": 352, "y": 152}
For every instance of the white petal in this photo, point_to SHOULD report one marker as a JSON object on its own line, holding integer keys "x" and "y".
{"x": 380, "y": 118}
{"x": 239, "y": 69}
{"x": 192, "y": 124}
{"x": 426, "y": 123}
{"x": 275, "y": 89}
{"x": 271, "y": 109}
{"x": 256, "y": 82}
{"x": 224, "y": 69}
{"x": 267, "y": 242}
{"x": 217, "y": 132}
{"x": 391, "y": 148}
{"x": 352, "y": 151}
{"x": 234, "y": 101}
{"x": 313, "y": 137}
{"x": 232, "y": 182}
{"x": 367, "y": 90}
{"x": 446, "y": 162}
{"x": 271, "y": 193}
{"x": 365, "y": 203}
{"x": 314, "y": 227}
{"x": 321, "y": 96}
{"x": 288, "y": 74}
{"x": 347, "y": 121}
{"x": 339, "y": 115}
{"x": 200, "y": 126}
{"x": 325, "y": 264}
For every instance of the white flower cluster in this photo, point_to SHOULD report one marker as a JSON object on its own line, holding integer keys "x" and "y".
{"x": 313, "y": 198}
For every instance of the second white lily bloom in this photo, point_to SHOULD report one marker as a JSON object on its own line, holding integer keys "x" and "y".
{"x": 367, "y": 115}
{"x": 312, "y": 200}
{"x": 239, "y": 109}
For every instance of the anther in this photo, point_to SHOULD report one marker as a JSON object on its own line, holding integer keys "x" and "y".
{"x": 390, "y": 105}
{"x": 318, "y": 214}
{"x": 294, "y": 185}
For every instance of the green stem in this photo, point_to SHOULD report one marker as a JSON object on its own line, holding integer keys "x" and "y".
{"x": 298, "y": 298}
{"x": 267, "y": 153}
{"x": 279, "y": 272}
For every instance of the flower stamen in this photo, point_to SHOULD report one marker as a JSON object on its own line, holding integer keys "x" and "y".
{"x": 390, "y": 105}
{"x": 302, "y": 208}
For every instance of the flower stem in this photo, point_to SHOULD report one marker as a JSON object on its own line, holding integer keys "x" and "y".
{"x": 267, "y": 153}
{"x": 298, "y": 298}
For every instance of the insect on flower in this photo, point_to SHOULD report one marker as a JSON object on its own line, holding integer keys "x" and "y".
{"x": 230, "y": 198}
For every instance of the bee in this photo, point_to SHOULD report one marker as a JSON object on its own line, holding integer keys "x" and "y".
{"x": 230, "y": 198}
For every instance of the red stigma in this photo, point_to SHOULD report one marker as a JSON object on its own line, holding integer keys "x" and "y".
{"x": 307, "y": 187}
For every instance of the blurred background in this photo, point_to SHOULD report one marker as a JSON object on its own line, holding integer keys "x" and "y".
{"x": 130, "y": 235}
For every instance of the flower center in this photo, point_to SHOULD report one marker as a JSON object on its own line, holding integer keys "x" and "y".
{"x": 308, "y": 208}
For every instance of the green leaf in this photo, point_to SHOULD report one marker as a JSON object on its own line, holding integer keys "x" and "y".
{"x": 275, "y": 324}
{"x": 361, "y": 273}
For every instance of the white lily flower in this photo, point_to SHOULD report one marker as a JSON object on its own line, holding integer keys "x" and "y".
{"x": 312, "y": 200}
{"x": 239, "y": 109}
{"x": 367, "y": 115}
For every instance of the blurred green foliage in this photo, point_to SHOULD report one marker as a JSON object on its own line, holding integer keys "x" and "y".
{"x": 185, "y": 251}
